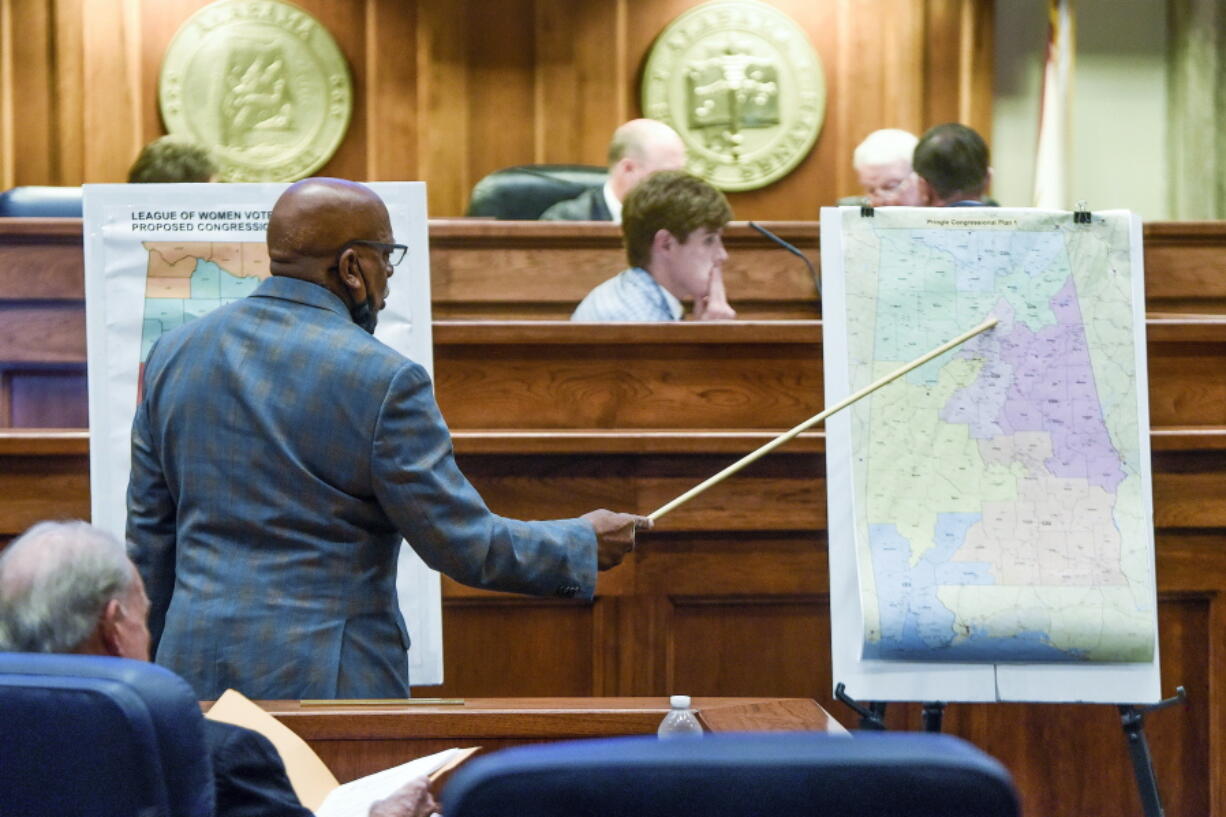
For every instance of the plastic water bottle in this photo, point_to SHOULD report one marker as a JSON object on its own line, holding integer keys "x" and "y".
{"x": 680, "y": 721}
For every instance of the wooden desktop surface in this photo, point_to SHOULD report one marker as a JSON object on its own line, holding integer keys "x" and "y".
{"x": 356, "y": 739}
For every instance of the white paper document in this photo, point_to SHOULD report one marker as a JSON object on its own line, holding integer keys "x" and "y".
{"x": 354, "y": 799}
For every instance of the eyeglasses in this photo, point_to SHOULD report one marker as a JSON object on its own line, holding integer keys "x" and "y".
{"x": 392, "y": 253}
{"x": 889, "y": 186}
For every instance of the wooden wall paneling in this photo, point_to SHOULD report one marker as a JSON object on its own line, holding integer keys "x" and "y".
{"x": 58, "y": 326}
{"x": 42, "y": 398}
{"x": 889, "y": 56}
{"x": 1052, "y": 749}
{"x": 112, "y": 103}
{"x": 578, "y": 376}
{"x": 69, "y": 136}
{"x": 977, "y": 79}
{"x": 392, "y": 123}
{"x": 346, "y": 21}
{"x": 6, "y": 398}
{"x": 1215, "y": 752}
{"x": 1190, "y": 556}
{"x": 161, "y": 20}
{"x": 442, "y": 114}
{"x": 579, "y": 96}
{"x": 7, "y": 94}
{"x": 517, "y": 646}
{"x": 483, "y": 270}
{"x": 28, "y": 89}
{"x": 1188, "y": 384}
{"x": 751, "y": 643}
{"x": 954, "y": 73}
{"x": 554, "y": 265}
{"x": 501, "y": 58}
{"x": 448, "y": 92}
{"x": 1183, "y": 267}
{"x": 774, "y": 379}
{"x": 47, "y": 478}
{"x": 1179, "y": 737}
{"x": 607, "y": 633}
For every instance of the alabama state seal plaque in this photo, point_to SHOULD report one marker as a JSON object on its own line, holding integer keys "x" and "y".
{"x": 262, "y": 84}
{"x": 740, "y": 82}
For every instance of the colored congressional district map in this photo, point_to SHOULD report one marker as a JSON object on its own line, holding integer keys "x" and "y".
{"x": 185, "y": 280}
{"x": 999, "y": 488}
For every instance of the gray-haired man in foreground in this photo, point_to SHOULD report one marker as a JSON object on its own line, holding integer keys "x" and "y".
{"x": 68, "y": 587}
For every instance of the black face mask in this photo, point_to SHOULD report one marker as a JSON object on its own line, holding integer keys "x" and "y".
{"x": 364, "y": 316}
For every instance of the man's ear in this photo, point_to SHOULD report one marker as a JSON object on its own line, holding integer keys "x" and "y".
{"x": 925, "y": 191}
{"x": 663, "y": 240}
{"x": 351, "y": 275}
{"x": 108, "y": 628}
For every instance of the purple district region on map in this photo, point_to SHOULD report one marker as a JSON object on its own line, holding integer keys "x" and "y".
{"x": 1043, "y": 381}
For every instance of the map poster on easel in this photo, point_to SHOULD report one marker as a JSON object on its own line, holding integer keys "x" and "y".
{"x": 159, "y": 255}
{"x": 990, "y": 514}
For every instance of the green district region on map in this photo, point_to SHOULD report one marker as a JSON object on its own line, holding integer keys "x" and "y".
{"x": 185, "y": 280}
{"x": 1000, "y": 490}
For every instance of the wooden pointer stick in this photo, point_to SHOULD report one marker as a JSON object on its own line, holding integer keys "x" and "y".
{"x": 817, "y": 418}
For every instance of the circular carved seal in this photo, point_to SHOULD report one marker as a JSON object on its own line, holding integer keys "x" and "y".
{"x": 740, "y": 82}
{"x": 262, "y": 84}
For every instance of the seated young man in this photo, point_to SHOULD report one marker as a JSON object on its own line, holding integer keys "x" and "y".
{"x": 672, "y": 226}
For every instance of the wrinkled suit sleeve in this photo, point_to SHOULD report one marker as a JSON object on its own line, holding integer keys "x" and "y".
{"x": 151, "y": 523}
{"x": 445, "y": 520}
{"x": 249, "y": 776}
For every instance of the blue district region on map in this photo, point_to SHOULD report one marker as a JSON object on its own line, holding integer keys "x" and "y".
{"x": 211, "y": 286}
{"x": 915, "y": 625}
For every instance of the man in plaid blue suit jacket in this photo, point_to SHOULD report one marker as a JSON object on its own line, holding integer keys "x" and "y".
{"x": 280, "y": 453}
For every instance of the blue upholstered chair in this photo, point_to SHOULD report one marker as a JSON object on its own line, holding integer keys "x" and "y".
{"x": 92, "y": 736}
{"x": 776, "y": 775}
{"x": 525, "y": 191}
{"x": 41, "y": 202}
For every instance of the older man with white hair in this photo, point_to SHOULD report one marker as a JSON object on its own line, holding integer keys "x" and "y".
{"x": 68, "y": 587}
{"x": 883, "y": 165}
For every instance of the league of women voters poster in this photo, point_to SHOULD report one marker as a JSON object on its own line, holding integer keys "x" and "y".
{"x": 159, "y": 255}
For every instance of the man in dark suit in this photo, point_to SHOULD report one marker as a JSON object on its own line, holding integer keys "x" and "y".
{"x": 280, "y": 454}
{"x": 67, "y": 587}
{"x": 639, "y": 148}
{"x": 951, "y": 161}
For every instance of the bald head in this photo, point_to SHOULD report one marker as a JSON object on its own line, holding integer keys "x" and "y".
{"x": 314, "y": 218}
{"x": 639, "y": 148}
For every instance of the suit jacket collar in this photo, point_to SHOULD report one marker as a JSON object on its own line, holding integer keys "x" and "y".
{"x": 303, "y": 292}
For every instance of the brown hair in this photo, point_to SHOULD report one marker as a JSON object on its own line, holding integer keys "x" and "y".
{"x": 953, "y": 159}
{"x": 670, "y": 200}
{"x": 171, "y": 159}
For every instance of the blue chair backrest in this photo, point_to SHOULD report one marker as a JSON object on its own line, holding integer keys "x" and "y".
{"x": 100, "y": 737}
{"x": 41, "y": 202}
{"x": 731, "y": 775}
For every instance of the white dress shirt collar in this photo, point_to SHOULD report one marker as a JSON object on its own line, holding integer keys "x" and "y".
{"x": 611, "y": 201}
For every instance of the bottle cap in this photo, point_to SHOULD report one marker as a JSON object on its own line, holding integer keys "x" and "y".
{"x": 679, "y": 701}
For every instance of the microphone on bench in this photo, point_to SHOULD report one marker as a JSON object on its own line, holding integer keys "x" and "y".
{"x": 817, "y": 281}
